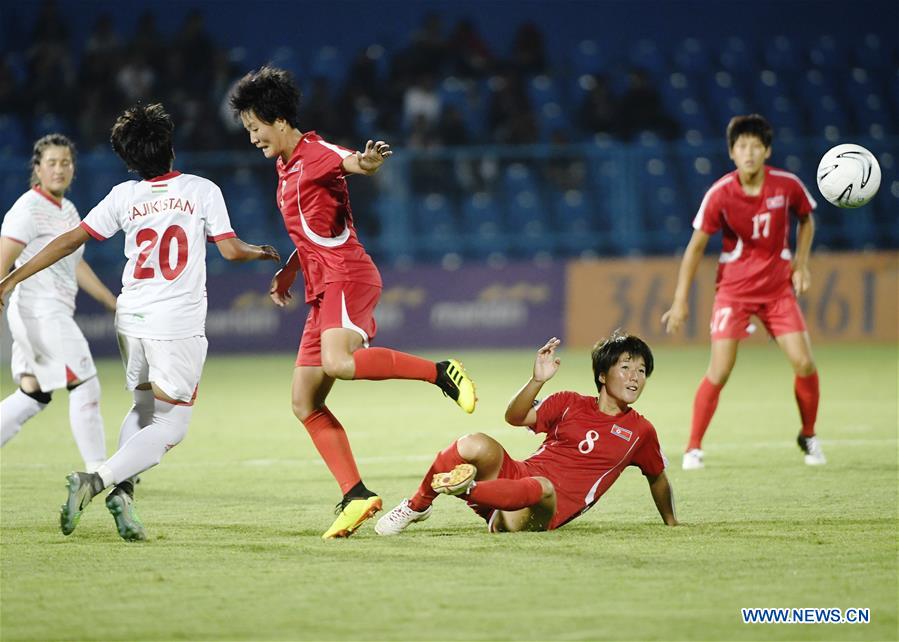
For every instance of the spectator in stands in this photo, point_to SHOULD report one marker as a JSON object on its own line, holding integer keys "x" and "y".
{"x": 641, "y": 109}
{"x": 528, "y": 55}
{"x": 470, "y": 56}
{"x": 599, "y": 110}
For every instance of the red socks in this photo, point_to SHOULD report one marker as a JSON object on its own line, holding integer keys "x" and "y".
{"x": 332, "y": 444}
{"x": 446, "y": 460}
{"x": 807, "y": 395}
{"x": 704, "y": 405}
{"x": 506, "y": 494}
{"x": 383, "y": 363}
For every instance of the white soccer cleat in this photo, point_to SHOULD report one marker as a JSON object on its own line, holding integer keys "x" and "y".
{"x": 399, "y": 519}
{"x": 814, "y": 454}
{"x": 693, "y": 460}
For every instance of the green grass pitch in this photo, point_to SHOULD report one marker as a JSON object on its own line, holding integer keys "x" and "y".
{"x": 235, "y": 515}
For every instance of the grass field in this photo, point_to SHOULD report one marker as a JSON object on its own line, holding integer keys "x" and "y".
{"x": 235, "y": 515}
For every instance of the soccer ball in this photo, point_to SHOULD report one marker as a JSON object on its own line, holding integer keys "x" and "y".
{"x": 848, "y": 176}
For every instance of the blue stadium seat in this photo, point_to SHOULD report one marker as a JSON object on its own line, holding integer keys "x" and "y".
{"x": 692, "y": 56}
{"x": 574, "y": 222}
{"x": 588, "y": 58}
{"x": 725, "y": 100}
{"x": 542, "y": 89}
{"x": 329, "y": 62}
{"x": 874, "y": 53}
{"x": 646, "y": 54}
{"x": 483, "y": 226}
{"x": 50, "y": 124}
{"x": 528, "y": 224}
{"x": 781, "y": 54}
{"x": 826, "y": 52}
{"x": 12, "y": 137}
{"x": 737, "y": 56}
{"x": 552, "y": 118}
{"x": 517, "y": 177}
{"x": 436, "y": 227}
{"x": 286, "y": 57}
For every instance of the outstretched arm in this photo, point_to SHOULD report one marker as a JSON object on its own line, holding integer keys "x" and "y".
{"x": 805, "y": 233}
{"x": 60, "y": 247}
{"x": 369, "y": 161}
{"x": 233, "y": 249}
{"x": 677, "y": 313}
{"x": 521, "y": 411}
{"x": 663, "y": 496}
{"x": 90, "y": 283}
{"x": 9, "y": 252}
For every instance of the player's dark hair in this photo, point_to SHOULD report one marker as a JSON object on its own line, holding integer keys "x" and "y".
{"x": 750, "y": 125}
{"x": 606, "y": 352}
{"x": 270, "y": 93}
{"x": 40, "y": 145}
{"x": 142, "y": 137}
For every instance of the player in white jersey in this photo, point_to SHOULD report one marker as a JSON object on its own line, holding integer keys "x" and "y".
{"x": 49, "y": 352}
{"x": 167, "y": 219}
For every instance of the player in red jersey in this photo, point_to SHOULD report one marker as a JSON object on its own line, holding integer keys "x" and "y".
{"x": 342, "y": 283}
{"x": 757, "y": 275}
{"x": 588, "y": 442}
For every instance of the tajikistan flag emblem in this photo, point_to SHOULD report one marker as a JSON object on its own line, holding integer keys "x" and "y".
{"x": 159, "y": 188}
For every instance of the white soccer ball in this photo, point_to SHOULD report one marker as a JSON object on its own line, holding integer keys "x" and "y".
{"x": 848, "y": 176}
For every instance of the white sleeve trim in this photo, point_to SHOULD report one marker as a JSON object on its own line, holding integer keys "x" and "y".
{"x": 334, "y": 148}
{"x": 808, "y": 195}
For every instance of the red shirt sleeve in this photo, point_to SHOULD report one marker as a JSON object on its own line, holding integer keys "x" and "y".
{"x": 327, "y": 164}
{"x": 708, "y": 218}
{"x": 552, "y": 409}
{"x": 801, "y": 202}
{"x": 648, "y": 457}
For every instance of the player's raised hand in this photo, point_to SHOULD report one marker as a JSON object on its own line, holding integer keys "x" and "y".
{"x": 802, "y": 279}
{"x": 547, "y": 363}
{"x": 269, "y": 254}
{"x": 674, "y": 318}
{"x": 280, "y": 288}
{"x": 374, "y": 155}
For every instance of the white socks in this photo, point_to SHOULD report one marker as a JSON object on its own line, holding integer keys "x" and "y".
{"x": 140, "y": 415}
{"x": 87, "y": 423}
{"x": 15, "y": 410}
{"x": 146, "y": 448}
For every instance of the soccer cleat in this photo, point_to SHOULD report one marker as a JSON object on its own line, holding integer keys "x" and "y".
{"x": 458, "y": 481}
{"x": 352, "y": 513}
{"x": 455, "y": 383}
{"x": 81, "y": 492}
{"x": 399, "y": 519}
{"x": 811, "y": 446}
{"x": 121, "y": 507}
{"x": 693, "y": 460}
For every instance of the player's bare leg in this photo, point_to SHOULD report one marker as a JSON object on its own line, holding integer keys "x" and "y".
{"x": 533, "y": 518}
{"x": 797, "y": 346}
{"x": 309, "y": 391}
{"x": 721, "y": 364}
{"x": 344, "y": 358}
{"x": 20, "y": 406}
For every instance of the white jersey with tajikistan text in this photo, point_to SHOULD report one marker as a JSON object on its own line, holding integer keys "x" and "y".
{"x": 34, "y": 220}
{"x": 167, "y": 221}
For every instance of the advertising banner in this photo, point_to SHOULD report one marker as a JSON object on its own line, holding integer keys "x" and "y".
{"x": 420, "y": 308}
{"x": 853, "y": 297}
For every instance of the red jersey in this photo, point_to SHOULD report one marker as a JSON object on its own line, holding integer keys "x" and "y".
{"x": 755, "y": 261}
{"x": 586, "y": 450}
{"x": 315, "y": 203}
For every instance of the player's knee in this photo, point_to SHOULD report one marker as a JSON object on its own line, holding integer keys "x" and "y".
{"x": 549, "y": 491}
{"x": 804, "y": 366}
{"x": 339, "y": 366}
{"x": 473, "y": 446}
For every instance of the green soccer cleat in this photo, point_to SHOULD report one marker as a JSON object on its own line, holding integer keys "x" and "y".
{"x": 121, "y": 507}
{"x": 353, "y": 513}
{"x": 455, "y": 383}
{"x": 81, "y": 492}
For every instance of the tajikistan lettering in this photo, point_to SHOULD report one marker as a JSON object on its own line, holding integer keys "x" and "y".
{"x": 162, "y": 205}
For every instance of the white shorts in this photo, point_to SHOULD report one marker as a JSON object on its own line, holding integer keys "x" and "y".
{"x": 173, "y": 365}
{"x": 50, "y": 347}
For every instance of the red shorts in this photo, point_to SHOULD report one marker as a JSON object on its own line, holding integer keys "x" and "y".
{"x": 514, "y": 469}
{"x": 342, "y": 305}
{"x": 730, "y": 319}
